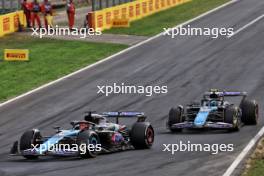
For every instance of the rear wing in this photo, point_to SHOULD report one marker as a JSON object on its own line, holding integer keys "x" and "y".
{"x": 128, "y": 114}
{"x": 233, "y": 94}
{"x": 226, "y": 94}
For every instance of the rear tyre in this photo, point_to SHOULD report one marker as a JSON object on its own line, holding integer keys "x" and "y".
{"x": 250, "y": 112}
{"x": 86, "y": 139}
{"x": 27, "y": 139}
{"x": 232, "y": 116}
{"x": 175, "y": 116}
{"x": 142, "y": 135}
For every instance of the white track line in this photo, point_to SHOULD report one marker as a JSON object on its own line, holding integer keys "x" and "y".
{"x": 110, "y": 57}
{"x": 246, "y": 26}
{"x": 244, "y": 153}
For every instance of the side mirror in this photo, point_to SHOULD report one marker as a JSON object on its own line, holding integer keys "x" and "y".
{"x": 88, "y": 116}
{"x": 73, "y": 124}
{"x": 57, "y": 128}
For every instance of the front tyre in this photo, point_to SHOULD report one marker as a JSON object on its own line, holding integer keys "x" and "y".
{"x": 232, "y": 116}
{"x": 175, "y": 116}
{"x": 88, "y": 142}
{"x": 142, "y": 135}
{"x": 28, "y": 139}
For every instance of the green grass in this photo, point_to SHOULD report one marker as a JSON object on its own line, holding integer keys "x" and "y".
{"x": 155, "y": 23}
{"x": 257, "y": 169}
{"x": 49, "y": 60}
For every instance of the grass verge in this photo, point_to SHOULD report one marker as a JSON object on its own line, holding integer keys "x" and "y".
{"x": 49, "y": 60}
{"x": 155, "y": 23}
{"x": 255, "y": 164}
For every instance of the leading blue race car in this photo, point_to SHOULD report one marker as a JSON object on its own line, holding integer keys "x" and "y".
{"x": 89, "y": 137}
{"x": 214, "y": 112}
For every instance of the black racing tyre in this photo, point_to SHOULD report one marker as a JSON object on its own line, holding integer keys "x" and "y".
{"x": 84, "y": 139}
{"x": 175, "y": 116}
{"x": 142, "y": 135}
{"x": 232, "y": 116}
{"x": 250, "y": 112}
{"x": 26, "y": 141}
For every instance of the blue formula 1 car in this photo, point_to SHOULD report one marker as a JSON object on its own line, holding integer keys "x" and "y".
{"x": 89, "y": 137}
{"x": 214, "y": 112}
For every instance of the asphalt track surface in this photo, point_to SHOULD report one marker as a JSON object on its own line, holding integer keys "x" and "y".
{"x": 187, "y": 65}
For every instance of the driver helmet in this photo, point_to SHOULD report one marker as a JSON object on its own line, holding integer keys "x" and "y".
{"x": 214, "y": 95}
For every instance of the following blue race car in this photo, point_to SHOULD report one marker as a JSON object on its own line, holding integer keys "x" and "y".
{"x": 89, "y": 137}
{"x": 214, "y": 112}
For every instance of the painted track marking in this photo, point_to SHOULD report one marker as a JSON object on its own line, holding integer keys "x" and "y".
{"x": 244, "y": 153}
{"x": 246, "y": 26}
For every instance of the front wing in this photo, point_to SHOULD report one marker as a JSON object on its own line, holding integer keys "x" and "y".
{"x": 215, "y": 125}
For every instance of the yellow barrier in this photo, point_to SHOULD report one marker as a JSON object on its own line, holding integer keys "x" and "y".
{"x": 132, "y": 11}
{"x": 9, "y": 23}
